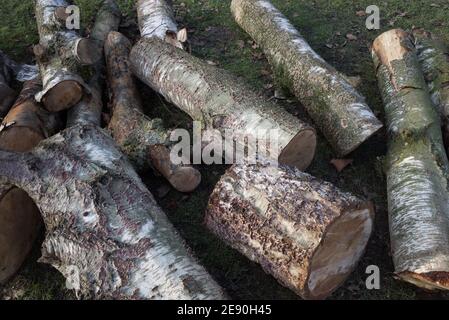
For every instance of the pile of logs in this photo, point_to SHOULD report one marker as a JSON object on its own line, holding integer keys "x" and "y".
{"x": 66, "y": 171}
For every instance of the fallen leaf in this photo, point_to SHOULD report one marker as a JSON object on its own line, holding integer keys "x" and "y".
{"x": 329, "y": 45}
{"x": 341, "y": 164}
{"x": 241, "y": 44}
{"x": 265, "y": 72}
{"x": 361, "y": 13}
{"x": 212, "y": 63}
{"x": 268, "y": 86}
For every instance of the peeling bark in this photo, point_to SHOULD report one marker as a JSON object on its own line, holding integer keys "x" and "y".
{"x": 433, "y": 55}
{"x": 304, "y": 232}
{"x": 20, "y": 220}
{"x": 105, "y": 232}
{"x": 144, "y": 140}
{"x": 7, "y": 95}
{"x": 60, "y": 54}
{"x": 339, "y": 111}
{"x": 418, "y": 169}
{"x": 220, "y": 101}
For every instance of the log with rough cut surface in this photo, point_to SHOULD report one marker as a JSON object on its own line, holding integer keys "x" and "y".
{"x": 306, "y": 233}
{"x": 337, "y": 109}
{"x": 417, "y": 165}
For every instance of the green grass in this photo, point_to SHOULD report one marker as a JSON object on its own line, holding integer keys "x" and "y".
{"x": 215, "y": 36}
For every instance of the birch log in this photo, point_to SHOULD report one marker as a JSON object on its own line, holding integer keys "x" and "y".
{"x": 221, "y": 101}
{"x": 339, "y": 111}
{"x": 433, "y": 55}
{"x": 104, "y": 231}
{"x": 156, "y": 20}
{"x": 7, "y": 94}
{"x": 418, "y": 169}
{"x": 89, "y": 109}
{"x": 20, "y": 222}
{"x": 60, "y": 54}
{"x": 304, "y": 232}
{"x": 144, "y": 140}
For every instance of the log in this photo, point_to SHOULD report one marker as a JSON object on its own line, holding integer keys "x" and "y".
{"x": 337, "y": 109}
{"x": 220, "y": 101}
{"x": 89, "y": 109}
{"x": 60, "y": 54}
{"x": 104, "y": 230}
{"x": 20, "y": 220}
{"x": 7, "y": 94}
{"x": 144, "y": 140}
{"x": 433, "y": 54}
{"x": 306, "y": 233}
{"x": 417, "y": 166}
{"x": 156, "y": 19}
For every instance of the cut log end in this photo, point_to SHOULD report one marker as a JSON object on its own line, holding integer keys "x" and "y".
{"x": 88, "y": 52}
{"x": 428, "y": 281}
{"x": 300, "y": 151}
{"x": 389, "y": 46}
{"x": 19, "y": 139}
{"x": 339, "y": 252}
{"x": 185, "y": 179}
{"x": 63, "y": 96}
{"x": 20, "y": 223}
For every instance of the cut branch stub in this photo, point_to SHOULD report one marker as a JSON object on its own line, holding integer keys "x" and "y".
{"x": 337, "y": 109}
{"x": 144, "y": 140}
{"x": 104, "y": 231}
{"x": 20, "y": 220}
{"x": 221, "y": 101}
{"x": 417, "y": 166}
{"x": 304, "y": 232}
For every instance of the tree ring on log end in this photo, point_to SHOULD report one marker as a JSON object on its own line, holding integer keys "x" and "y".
{"x": 63, "y": 96}
{"x": 339, "y": 251}
{"x": 300, "y": 151}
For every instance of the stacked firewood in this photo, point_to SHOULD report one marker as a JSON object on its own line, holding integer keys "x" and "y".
{"x": 105, "y": 232}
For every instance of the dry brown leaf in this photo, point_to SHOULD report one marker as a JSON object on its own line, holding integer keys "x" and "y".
{"x": 341, "y": 164}
{"x": 361, "y": 13}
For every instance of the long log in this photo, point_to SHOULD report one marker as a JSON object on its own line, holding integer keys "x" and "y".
{"x": 417, "y": 166}
{"x": 337, "y": 109}
{"x": 7, "y": 94}
{"x": 104, "y": 230}
{"x": 220, "y": 100}
{"x": 433, "y": 54}
{"x": 304, "y": 232}
{"x": 20, "y": 222}
{"x": 60, "y": 54}
{"x": 144, "y": 140}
